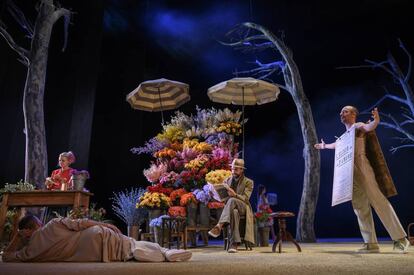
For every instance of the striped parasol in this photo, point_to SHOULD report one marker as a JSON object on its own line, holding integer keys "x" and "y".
{"x": 243, "y": 91}
{"x": 159, "y": 95}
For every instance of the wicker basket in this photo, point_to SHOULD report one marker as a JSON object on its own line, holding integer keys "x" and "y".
{"x": 410, "y": 237}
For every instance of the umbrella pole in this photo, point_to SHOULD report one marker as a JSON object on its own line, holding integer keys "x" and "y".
{"x": 243, "y": 120}
{"x": 162, "y": 115}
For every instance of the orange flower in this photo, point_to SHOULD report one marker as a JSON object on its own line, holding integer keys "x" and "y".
{"x": 177, "y": 211}
{"x": 187, "y": 198}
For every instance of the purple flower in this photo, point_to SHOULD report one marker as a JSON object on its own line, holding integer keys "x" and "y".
{"x": 202, "y": 195}
{"x": 150, "y": 147}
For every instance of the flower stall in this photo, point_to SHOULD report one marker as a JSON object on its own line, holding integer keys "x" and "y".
{"x": 191, "y": 152}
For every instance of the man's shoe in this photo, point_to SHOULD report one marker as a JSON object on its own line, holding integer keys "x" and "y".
{"x": 369, "y": 248}
{"x": 232, "y": 249}
{"x": 215, "y": 232}
{"x": 401, "y": 246}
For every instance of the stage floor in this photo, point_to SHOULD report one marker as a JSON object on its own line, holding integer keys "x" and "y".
{"x": 324, "y": 257}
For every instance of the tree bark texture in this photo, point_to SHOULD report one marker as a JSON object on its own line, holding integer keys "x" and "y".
{"x": 33, "y": 95}
{"x": 293, "y": 84}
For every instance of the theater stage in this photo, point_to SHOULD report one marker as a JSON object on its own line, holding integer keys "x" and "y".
{"x": 325, "y": 257}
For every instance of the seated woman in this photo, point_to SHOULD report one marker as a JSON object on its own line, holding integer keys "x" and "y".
{"x": 61, "y": 178}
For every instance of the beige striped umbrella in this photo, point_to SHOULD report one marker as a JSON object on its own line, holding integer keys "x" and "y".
{"x": 159, "y": 95}
{"x": 243, "y": 91}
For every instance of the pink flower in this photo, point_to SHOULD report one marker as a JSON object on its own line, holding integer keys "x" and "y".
{"x": 155, "y": 171}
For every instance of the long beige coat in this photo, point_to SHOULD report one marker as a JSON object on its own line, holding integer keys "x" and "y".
{"x": 244, "y": 191}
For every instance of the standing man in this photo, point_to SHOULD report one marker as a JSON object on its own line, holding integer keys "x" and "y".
{"x": 372, "y": 183}
{"x": 239, "y": 189}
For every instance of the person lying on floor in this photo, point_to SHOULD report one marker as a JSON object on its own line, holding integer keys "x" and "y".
{"x": 82, "y": 240}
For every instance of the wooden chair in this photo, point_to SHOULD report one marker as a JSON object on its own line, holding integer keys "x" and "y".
{"x": 203, "y": 230}
{"x": 242, "y": 228}
{"x": 174, "y": 228}
{"x": 283, "y": 234}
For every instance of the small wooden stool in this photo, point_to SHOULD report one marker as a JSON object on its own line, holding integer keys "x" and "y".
{"x": 283, "y": 234}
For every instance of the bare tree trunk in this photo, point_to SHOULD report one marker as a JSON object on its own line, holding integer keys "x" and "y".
{"x": 305, "y": 222}
{"x": 293, "y": 84}
{"x": 33, "y": 97}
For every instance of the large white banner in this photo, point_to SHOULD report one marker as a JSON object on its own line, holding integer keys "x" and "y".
{"x": 344, "y": 168}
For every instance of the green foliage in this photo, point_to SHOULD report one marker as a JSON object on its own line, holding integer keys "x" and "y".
{"x": 19, "y": 186}
{"x": 88, "y": 213}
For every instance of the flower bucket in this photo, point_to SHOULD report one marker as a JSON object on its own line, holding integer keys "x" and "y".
{"x": 264, "y": 235}
{"x": 78, "y": 182}
{"x": 133, "y": 231}
{"x": 192, "y": 214}
{"x": 204, "y": 218}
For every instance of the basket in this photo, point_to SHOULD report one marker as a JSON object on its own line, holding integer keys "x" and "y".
{"x": 410, "y": 237}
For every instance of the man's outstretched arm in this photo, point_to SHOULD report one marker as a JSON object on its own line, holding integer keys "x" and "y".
{"x": 323, "y": 145}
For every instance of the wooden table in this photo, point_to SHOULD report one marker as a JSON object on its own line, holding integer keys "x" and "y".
{"x": 40, "y": 198}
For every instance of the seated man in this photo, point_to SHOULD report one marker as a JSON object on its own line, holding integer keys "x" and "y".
{"x": 82, "y": 240}
{"x": 240, "y": 189}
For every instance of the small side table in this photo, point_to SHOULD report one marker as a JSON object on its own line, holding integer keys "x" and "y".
{"x": 283, "y": 234}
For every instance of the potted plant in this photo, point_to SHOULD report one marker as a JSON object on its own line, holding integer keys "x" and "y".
{"x": 124, "y": 206}
{"x": 264, "y": 221}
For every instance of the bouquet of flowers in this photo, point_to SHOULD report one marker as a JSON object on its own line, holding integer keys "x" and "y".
{"x": 159, "y": 188}
{"x": 215, "y": 204}
{"x": 217, "y": 176}
{"x": 203, "y": 195}
{"x": 154, "y": 200}
{"x": 176, "y": 195}
{"x": 157, "y": 222}
{"x": 169, "y": 178}
{"x": 229, "y": 127}
{"x": 177, "y": 211}
{"x": 124, "y": 206}
{"x": 263, "y": 216}
{"x": 187, "y": 199}
{"x": 155, "y": 171}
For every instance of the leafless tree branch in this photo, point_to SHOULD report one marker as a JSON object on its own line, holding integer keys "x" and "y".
{"x": 408, "y": 74}
{"x": 66, "y": 17}
{"x": 23, "y": 53}
{"x": 394, "y": 149}
{"x": 20, "y": 18}
{"x": 390, "y": 96}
